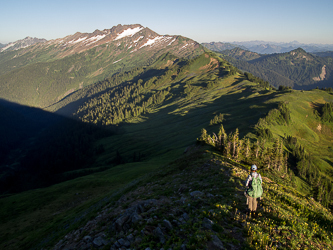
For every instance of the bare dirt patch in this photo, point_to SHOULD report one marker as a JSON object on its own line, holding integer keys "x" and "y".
{"x": 213, "y": 64}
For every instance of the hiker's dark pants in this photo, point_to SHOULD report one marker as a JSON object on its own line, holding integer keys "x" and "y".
{"x": 252, "y": 203}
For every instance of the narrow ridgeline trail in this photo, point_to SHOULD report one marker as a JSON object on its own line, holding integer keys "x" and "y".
{"x": 198, "y": 202}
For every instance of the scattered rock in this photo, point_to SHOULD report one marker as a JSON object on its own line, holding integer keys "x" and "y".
{"x": 185, "y": 216}
{"x": 150, "y": 221}
{"x": 121, "y": 221}
{"x": 138, "y": 240}
{"x": 130, "y": 238}
{"x": 136, "y": 218}
{"x": 167, "y": 224}
{"x": 159, "y": 234}
{"x": 87, "y": 238}
{"x": 100, "y": 241}
{"x": 124, "y": 242}
{"x": 207, "y": 223}
{"x": 216, "y": 243}
{"x": 195, "y": 194}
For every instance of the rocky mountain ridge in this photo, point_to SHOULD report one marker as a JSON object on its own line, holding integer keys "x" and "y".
{"x": 23, "y": 43}
{"x": 130, "y": 37}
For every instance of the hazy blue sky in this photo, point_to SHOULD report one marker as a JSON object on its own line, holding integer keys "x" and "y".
{"x": 204, "y": 21}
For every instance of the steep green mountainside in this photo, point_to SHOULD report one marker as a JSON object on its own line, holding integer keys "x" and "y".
{"x": 296, "y": 69}
{"x": 126, "y": 148}
{"x": 42, "y": 74}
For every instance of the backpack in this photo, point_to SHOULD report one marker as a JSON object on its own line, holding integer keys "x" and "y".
{"x": 255, "y": 190}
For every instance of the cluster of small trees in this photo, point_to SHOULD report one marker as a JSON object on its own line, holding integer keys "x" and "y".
{"x": 243, "y": 150}
{"x": 217, "y": 119}
{"x": 327, "y": 112}
{"x": 279, "y": 116}
{"x": 261, "y": 82}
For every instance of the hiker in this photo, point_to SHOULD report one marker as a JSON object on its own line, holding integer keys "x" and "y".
{"x": 254, "y": 191}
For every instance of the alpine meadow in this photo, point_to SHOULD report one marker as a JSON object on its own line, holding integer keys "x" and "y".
{"x": 128, "y": 139}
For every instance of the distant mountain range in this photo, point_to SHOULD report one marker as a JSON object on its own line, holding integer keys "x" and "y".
{"x": 297, "y": 68}
{"x": 21, "y": 44}
{"x": 263, "y": 47}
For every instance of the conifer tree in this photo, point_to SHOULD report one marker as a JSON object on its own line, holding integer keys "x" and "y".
{"x": 235, "y": 140}
{"x": 228, "y": 149}
{"x": 238, "y": 150}
{"x": 256, "y": 149}
{"x": 204, "y": 135}
{"x": 247, "y": 148}
{"x": 222, "y": 135}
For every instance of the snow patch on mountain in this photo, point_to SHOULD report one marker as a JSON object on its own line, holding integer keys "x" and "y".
{"x": 137, "y": 40}
{"x": 156, "y": 40}
{"x": 172, "y": 41}
{"x": 117, "y": 61}
{"x": 78, "y": 40}
{"x": 94, "y": 39}
{"x": 128, "y": 32}
{"x": 184, "y": 46}
{"x": 8, "y": 46}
